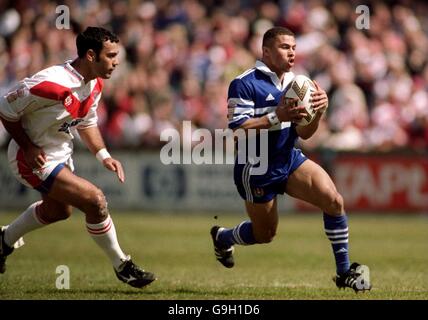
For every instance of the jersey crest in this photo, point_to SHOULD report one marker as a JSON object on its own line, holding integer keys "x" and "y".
{"x": 65, "y": 127}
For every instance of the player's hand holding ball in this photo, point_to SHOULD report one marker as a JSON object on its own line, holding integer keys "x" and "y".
{"x": 289, "y": 110}
{"x": 304, "y": 98}
{"x": 319, "y": 99}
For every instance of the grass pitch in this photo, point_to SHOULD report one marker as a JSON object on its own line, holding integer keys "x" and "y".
{"x": 298, "y": 264}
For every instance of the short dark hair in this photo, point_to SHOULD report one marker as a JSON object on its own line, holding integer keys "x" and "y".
{"x": 273, "y": 32}
{"x": 93, "y": 38}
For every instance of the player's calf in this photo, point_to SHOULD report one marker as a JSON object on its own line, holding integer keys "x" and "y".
{"x": 48, "y": 215}
{"x": 265, "y": 236}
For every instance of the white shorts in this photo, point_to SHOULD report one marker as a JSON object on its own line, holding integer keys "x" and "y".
{"x": 39, "y": 179}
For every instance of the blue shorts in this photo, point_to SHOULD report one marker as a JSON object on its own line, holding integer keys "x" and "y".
{"x": 263, "y": 188}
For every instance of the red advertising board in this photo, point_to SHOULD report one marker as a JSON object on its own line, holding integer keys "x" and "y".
{"x": 381, "y": 183}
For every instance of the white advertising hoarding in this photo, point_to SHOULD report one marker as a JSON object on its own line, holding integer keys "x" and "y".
{"x": 149, "y": 185}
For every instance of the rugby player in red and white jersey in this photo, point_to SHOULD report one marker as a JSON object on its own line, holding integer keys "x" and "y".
{"x": 38, "y": 114}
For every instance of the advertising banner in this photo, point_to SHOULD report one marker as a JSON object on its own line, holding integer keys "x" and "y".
{"x": 367, "y": 183}
{"x": 381, "y": 183}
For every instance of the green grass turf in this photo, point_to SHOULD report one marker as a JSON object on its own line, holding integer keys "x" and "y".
{"x": 298, "y": 264}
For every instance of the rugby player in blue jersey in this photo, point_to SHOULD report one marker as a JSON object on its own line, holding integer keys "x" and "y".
{"x": 255, "y": 101}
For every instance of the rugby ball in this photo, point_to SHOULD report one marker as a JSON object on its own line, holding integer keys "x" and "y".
{"x": 301, "y": 88}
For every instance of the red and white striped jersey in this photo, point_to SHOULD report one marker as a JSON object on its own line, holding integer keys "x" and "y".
{"x": 49, "y": 104}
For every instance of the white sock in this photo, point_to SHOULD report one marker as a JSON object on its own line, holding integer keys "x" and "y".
{"x": 28, "y": 221}
{"x": 104, "y": 234}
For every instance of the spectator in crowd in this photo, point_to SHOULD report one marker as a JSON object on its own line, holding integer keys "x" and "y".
{"x": 179, "y": 56}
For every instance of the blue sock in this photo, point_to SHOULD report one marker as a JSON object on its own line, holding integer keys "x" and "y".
{"x": 336, "y": 229}
{"x": 241, "y": 234}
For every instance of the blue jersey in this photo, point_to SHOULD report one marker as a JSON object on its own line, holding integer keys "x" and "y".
{"x": 253, "y": 94}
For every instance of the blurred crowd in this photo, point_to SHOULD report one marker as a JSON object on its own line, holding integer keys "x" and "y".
{"x": 178, "y": 58}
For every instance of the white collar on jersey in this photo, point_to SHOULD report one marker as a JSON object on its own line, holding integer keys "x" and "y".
{"x": 265, "y": 69}
{"x": 68, "y": 66}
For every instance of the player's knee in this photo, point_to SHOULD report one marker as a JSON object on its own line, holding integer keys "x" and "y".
{"x": 98, "y": 204}
{"x": 63, "y": 214}
{"x": 335, "y": 204}
{"x": 51, "y": 214}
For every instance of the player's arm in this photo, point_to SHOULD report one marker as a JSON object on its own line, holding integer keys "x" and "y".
{"x": 241, "y": 103}
{"x": 286, "y": 111}
{"x": 320, "y": 105}
{"x": 255, "y": 123}
{"x": 305, "y": 132}
{"x": 93, "y": 139}
{"x": 12, "y": 106}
